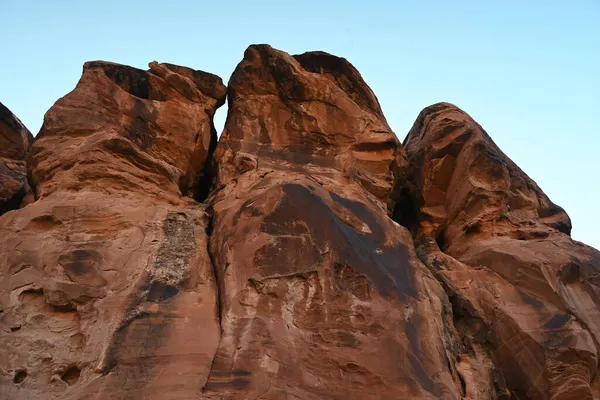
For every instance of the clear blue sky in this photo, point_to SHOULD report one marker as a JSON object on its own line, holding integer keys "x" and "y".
{"x": 528, "y": 71}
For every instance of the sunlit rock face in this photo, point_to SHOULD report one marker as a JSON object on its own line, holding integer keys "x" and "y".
{"x": 106, "y": 285}
{"x": 321, "y": 292}
{"x": 306, "y": 254}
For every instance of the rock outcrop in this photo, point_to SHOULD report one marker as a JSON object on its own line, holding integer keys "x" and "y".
{"x": 307, "y": 254}
{"x": 106, "y": 285}
{"x": 15, "y": 140}
{"x": 321, "y": 292}
{"x": 524, "y": 293}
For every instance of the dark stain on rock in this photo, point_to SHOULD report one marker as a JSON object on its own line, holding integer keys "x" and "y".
{"x": 387, "y": 267}
{"x": 159, "y": 292}
{"x": 240, "y": 372}
{"x": 80, "y": 264}
{"x": 411, "y": 330}
{"x": 557, "y": 321}
{"x": 570, "y": 272}
{"x": 285, "y": 255}
{"x": 531, "y": 300}
{"x": 142, "y": 129}
{"x": 131, "y": 358}
{"x": 348, "y": 280}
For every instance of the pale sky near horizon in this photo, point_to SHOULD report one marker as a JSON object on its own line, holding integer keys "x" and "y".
{"x": 528, "y": 72}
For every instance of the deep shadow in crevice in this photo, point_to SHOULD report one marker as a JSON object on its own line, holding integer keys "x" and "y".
{"x": 204, "y": 185}
{"x": 406, "y": 212}
{"x": 440, "y": 239}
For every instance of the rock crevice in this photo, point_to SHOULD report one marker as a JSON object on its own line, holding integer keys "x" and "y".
{"x": 305, "y": 254}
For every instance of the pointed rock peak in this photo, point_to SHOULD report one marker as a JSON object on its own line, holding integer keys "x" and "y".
{"x": 464, "y": 183}
{"x": 311, "y": 113}
{"x": 346, "y": 77}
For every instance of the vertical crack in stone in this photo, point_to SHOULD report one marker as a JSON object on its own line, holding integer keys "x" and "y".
{"x": 219, "y": 288}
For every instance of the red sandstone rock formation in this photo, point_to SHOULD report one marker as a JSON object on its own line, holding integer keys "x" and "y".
{"x": 298, "y": 275}
{"x": 321, "y": 292}
{"x": 15, "y": 141}
{"x": 106, "y": 286}
{"x": 526, "y": 297}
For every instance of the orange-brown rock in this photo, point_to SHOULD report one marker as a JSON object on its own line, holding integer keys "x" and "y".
{"x": 524, "y": 293}
{"x": 322, "y": 295}
{"x": 15, "y": 140}
{"x": 106, "y": 286}
{"x": 118, "y": 117}
{"x": 312, "y": 114}
{"x": 307, "y": 254}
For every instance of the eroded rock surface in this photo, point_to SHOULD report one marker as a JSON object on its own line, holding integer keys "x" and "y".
{"x": 321, "y": 293}
{"x": 312, "y": 114}
{"x": 15, "y": 140}
{"x": 306, "y": 255}
{"x": 521, "y": 287}
{"x": 106, "y": 286}
{"x": 129, "y": 131}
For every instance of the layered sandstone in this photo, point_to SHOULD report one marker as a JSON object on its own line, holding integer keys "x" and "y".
{"x": 321, "y": 292}
{"x": 107, "y": 274}
{"x": 524, "y": 293}
{"x": 307, "y": 254}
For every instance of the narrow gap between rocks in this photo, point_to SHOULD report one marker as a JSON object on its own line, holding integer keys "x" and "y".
{"x": 205, "y": 182}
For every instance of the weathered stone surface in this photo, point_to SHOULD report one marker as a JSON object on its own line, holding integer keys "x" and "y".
{"x": 106, "y": 286}
{"x": 321, "y": 293}
{"x": 306, "y": 255}
{"x": 130, "y": 131}
{"x": 520, "y": 286}
{"x": 310, "y": 113}
{"x": 15, "y": 140}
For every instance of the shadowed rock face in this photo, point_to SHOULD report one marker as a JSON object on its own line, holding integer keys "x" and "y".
{"x": 321, "y": 292}
{"x": 15, "y": 141}
{"x": 307, "y": 254}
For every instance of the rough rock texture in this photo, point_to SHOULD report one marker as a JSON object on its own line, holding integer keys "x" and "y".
{"x": 15, "y": 141}
{"x": 106, "y": 286}
{"x": 321, "y": 293}
{"x": 118, "y": 117}
{"x": 524, "y": 293}
{"x": 306, "y": 255}
{"x": 310, "y": 114}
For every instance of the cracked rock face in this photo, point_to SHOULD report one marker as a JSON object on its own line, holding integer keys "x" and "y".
{"x": 307, "y": 254}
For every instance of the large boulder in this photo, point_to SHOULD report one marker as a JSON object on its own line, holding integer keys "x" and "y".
{"x": 106, "y": 285}
{"x": 15, "y": 140}
{"x": 522, "y": 289}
